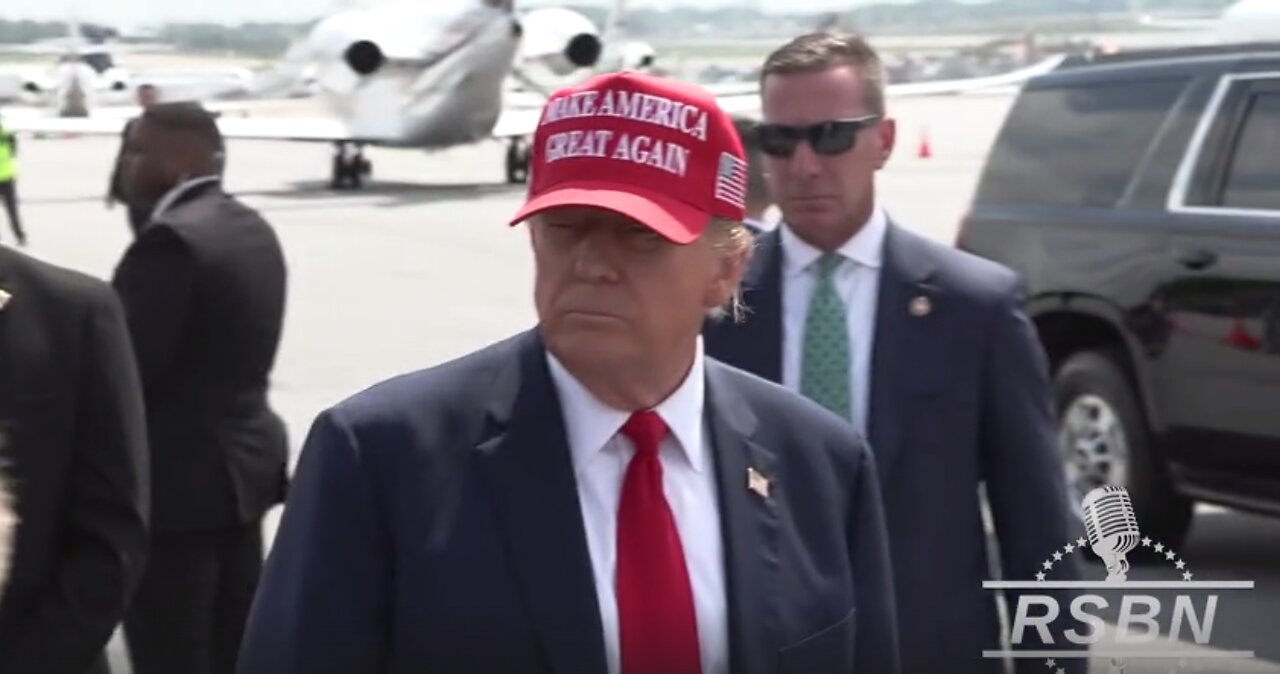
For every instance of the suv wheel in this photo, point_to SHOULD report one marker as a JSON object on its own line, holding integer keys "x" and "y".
{"x": 1104, "y": 440}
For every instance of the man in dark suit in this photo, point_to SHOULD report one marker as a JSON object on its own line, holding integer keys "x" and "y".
{"x": 73, "y": 456}
{"x": 204, "y": 290}
{"x": 924, "y": 349}
{"x": 592, "y": 495}
{"x": 117, "y": 190}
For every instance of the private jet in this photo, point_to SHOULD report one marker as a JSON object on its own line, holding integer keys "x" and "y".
{"x": 434, "y": 75}
{"x": 84, "y": 64}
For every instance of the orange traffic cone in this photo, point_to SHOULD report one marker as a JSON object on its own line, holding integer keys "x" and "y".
{"x": 926, "y": 148}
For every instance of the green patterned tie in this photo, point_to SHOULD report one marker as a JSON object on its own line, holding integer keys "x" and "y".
{"x": 824, "y": 373}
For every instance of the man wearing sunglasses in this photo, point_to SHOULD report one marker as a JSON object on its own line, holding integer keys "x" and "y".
{"x": 924, "y": 349}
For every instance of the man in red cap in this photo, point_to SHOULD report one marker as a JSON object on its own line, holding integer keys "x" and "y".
{"x": 593, "y": 496}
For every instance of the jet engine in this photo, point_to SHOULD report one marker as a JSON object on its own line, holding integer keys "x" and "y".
{"x": 364, "y": 57}
{"x": 115, "y": 80}
{"x": 637, "y": 55}
{"x": 560, "y": 40}
{"x": 347, "y": 37}
{"x": 15, "y": 82}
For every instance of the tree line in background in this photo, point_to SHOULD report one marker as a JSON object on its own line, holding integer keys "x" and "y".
{"x": 265, "y": 39}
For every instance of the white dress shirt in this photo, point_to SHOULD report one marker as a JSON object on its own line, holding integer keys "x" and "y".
{"x": 857, "y": 282}
{"x": 177, "y": 191}
{"x": 600, "y": 458}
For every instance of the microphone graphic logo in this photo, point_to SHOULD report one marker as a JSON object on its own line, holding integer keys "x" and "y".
{"x": 1112, "y": 528}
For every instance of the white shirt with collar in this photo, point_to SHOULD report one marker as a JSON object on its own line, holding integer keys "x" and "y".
{"x": 177, "y": 191}
{"x": 857, "y": 282}
{"x": 600, "y": 457}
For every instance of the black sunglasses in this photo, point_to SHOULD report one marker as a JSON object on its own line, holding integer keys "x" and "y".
{"x": 832, "y": 137}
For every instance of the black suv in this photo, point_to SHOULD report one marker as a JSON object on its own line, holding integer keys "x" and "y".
{"x": 1139, "y": 196}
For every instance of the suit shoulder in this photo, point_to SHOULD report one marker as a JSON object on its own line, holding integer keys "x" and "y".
{"x": 57, "y": 285}
{"x": 453, "y": 386}
{"x": 966, "y": 274}
{"x": 212, "y": 208}
{"x": 808, "y": 429}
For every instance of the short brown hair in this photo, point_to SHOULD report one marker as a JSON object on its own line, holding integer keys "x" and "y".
{"x": 815, "y": 52}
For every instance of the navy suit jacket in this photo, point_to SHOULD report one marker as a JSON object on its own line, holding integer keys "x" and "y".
{"x": 434, "y": 527}
{"x": 959, "y": 395}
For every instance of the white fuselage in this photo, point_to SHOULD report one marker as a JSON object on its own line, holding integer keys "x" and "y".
{"x": 441, "y": 76}
{"x": 1250, "y": 21}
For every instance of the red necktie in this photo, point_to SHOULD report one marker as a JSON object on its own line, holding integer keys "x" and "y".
{"x": 659, "y": 629}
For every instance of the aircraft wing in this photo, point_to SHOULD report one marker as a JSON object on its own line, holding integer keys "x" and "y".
{"x": 1188, "y": 25}
{"x": 304, "y": 129}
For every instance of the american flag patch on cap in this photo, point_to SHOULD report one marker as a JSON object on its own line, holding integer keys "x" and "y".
{"x": 731, "y": 180}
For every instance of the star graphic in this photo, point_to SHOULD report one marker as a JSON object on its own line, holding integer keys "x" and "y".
{"x": 1159, "y": 547}
{"x": 1048, "y": 565}
{"x": 1070, "y": 548}
{"x": 1061, "y": 671}
{"x": 1186, "y": 576}
{"x": 1146, "y": 542}
{"x": 1051, "y": 663}
{"x": 1080, "y": 542}
{"x": 1057, "y": 556}
{"x": 1169, "y": 555}
{"x": 1181, "y": 565}
{"x": 1041, "y": 576}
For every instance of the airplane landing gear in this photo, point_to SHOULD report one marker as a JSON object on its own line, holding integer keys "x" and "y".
{"x": 517, "y": 161}
{"x": 349, "y": 168}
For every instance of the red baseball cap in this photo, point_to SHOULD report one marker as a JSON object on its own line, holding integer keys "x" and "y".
{"x": 656, "y": 150}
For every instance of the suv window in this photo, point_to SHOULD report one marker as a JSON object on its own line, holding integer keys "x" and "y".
{"x": 1253, "y": 178}
{"x": 1076, "y": 145}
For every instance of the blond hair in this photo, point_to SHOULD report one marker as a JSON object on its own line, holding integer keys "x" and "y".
{"x": 731, "y": 238}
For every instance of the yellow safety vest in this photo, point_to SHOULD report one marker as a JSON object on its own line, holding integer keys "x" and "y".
{"x": 8, "y": 163}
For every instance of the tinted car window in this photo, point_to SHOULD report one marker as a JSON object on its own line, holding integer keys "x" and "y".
{"x": 1076, "y": 146}
{"x": 1253, "y": 179}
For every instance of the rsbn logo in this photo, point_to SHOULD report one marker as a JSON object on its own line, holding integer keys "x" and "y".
{"x": 1113, "y": 533}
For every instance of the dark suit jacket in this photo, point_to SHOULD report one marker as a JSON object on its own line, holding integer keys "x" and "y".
{"x": 204, "y": 291}
{"x": 434, "y": 528}
{"x": 115, "y": 184}
{"x": 73, "y": 453}
{"x": 958, "y": 396}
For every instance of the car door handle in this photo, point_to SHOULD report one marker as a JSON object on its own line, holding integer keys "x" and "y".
{"x": 1197, "y": 258}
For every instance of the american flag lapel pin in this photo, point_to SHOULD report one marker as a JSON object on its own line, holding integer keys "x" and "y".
{"x": 921, "y": 306}
{"x": 757, "y": 483}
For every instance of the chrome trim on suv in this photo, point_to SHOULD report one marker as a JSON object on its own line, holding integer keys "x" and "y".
{"x": 1177, "y": 200}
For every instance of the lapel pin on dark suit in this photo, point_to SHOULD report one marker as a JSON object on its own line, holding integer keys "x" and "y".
{"x": 921, "y": 306}
{"x": 5, "y": 296}
{"x": 757, "y": 483}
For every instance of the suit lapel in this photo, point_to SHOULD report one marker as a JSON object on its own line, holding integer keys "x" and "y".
{"x": 759, "y": 337}
{"x": 750, "y": 527}
{"x": 901, "y": 339}
{"x": 528, "y": 465}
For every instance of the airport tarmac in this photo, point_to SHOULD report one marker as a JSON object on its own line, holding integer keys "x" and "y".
{"x": 419, "y": 268}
